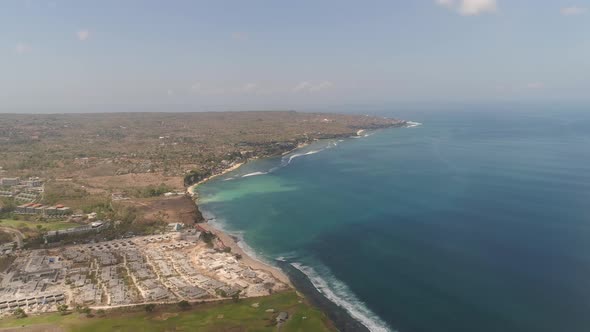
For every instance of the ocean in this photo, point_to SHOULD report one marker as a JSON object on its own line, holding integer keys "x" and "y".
{"x": 476, "y": 220}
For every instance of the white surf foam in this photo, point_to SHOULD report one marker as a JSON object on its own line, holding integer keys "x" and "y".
{"x": 411, "y": 124}
{"x": 288, "y": 158}
{"x": 339, "y": 293}
{"x": 286, "y": 256}
{"x": 254, "y": 174}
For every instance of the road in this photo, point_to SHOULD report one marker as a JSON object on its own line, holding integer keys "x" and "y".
{"x": 18, "y": 236}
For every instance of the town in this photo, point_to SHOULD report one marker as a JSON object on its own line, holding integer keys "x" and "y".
{"x": 167, "y": 268}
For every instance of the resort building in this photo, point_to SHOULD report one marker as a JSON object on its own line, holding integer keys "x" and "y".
{"x": 9, "y": 181}
{"x": 40, "y": 209}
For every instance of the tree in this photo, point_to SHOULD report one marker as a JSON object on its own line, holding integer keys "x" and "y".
{"x": 184, "y": 305}
{"x": 63, "y": 309}
{"x": 19, "y": 313}
{"x": 150, "y": 307}
{"x": 84, "y": 310}
{"x": 236, "y": 296}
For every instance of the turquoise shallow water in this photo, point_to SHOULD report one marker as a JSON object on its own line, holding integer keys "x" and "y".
{"x": 474, "y": 221}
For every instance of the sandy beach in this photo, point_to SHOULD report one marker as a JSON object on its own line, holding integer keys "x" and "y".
{"x": 191, "y": 189}
{"x": 255, "y": 264}
{"x": 231, "y": 242}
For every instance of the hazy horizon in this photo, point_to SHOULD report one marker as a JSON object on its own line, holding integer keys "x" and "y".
{"x": 106, "y": 56}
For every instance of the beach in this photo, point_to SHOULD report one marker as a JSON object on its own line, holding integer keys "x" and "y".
{"x": 254, "y": 264}
{"x": 342, "y": 309}
{"x": 231, "y": 241}
{"x": 191, "y": 189}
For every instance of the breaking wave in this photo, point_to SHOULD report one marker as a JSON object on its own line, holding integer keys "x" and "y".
{"x": 339, "y": 293}
{"x": 254, "y": 174}
{"x": 288, "y": 158}
{"x": 411, "y": 124}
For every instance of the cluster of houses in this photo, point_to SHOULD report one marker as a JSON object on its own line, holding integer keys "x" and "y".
{"x": 43, "y": 210}
{"x": 33, "y": 283}
{"x": 21, "y": 190}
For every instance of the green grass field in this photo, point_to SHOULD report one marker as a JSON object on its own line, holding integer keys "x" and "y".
{"x": 49, "y": 225}
{"x": 229, "y": 316}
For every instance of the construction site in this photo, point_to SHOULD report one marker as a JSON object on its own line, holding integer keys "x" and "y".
{"x": 163, "y": 268}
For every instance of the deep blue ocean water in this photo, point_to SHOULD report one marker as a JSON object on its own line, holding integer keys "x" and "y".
{"x": 474, "y": 221}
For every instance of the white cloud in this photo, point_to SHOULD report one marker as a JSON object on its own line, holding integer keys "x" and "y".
{"x": 83, "y": 34}
{"x": 207, "y": 90}
{"x": 573, "y": 10}
{"x": 535, "y": 85}
{"x": 301, "y": 87}
{"x": 22, "y": 48}
{"x": 470, "y": 7}
{"x": 312, "y": 87}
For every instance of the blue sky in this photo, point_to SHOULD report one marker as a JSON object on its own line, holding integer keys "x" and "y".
{"x": 208, "y": 55}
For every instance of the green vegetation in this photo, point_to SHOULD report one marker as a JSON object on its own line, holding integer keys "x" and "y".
{"x": 8, "y": 204}
{"x": 184, "y": 305}
{"x": 148, "y": 191}
{"x": 195, "y": 176}
{"x": 63, "y": 309}
{"x": 33, "y": 225}
{"x": 208, "y": 238}
{"x": 76, "y": 197}
{"x": 19, "y": 313}
{"x": 57, "y": 192}
{"x": 227, "y": 316}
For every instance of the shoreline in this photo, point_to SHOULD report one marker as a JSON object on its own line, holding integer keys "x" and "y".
{"x": 191, "y": 189}
{"x": 293, "y": 278}
{"x": 255, "y": 264}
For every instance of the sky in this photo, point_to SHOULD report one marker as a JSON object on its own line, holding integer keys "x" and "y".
{"x": 127, "y": 55}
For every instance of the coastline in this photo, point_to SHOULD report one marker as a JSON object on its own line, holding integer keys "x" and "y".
{"x": 246, "y": 259}
{"x": 283, "y": 272}
{"x": 231, "y": 241}
{"x": 191, "y": 189}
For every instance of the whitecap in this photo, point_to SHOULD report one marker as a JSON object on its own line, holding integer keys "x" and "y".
{"x": 287, "y": 159}
{"x": 339, "y": 293}
{"x": 411, "y": 124}
{"x": 254, "y": 174}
